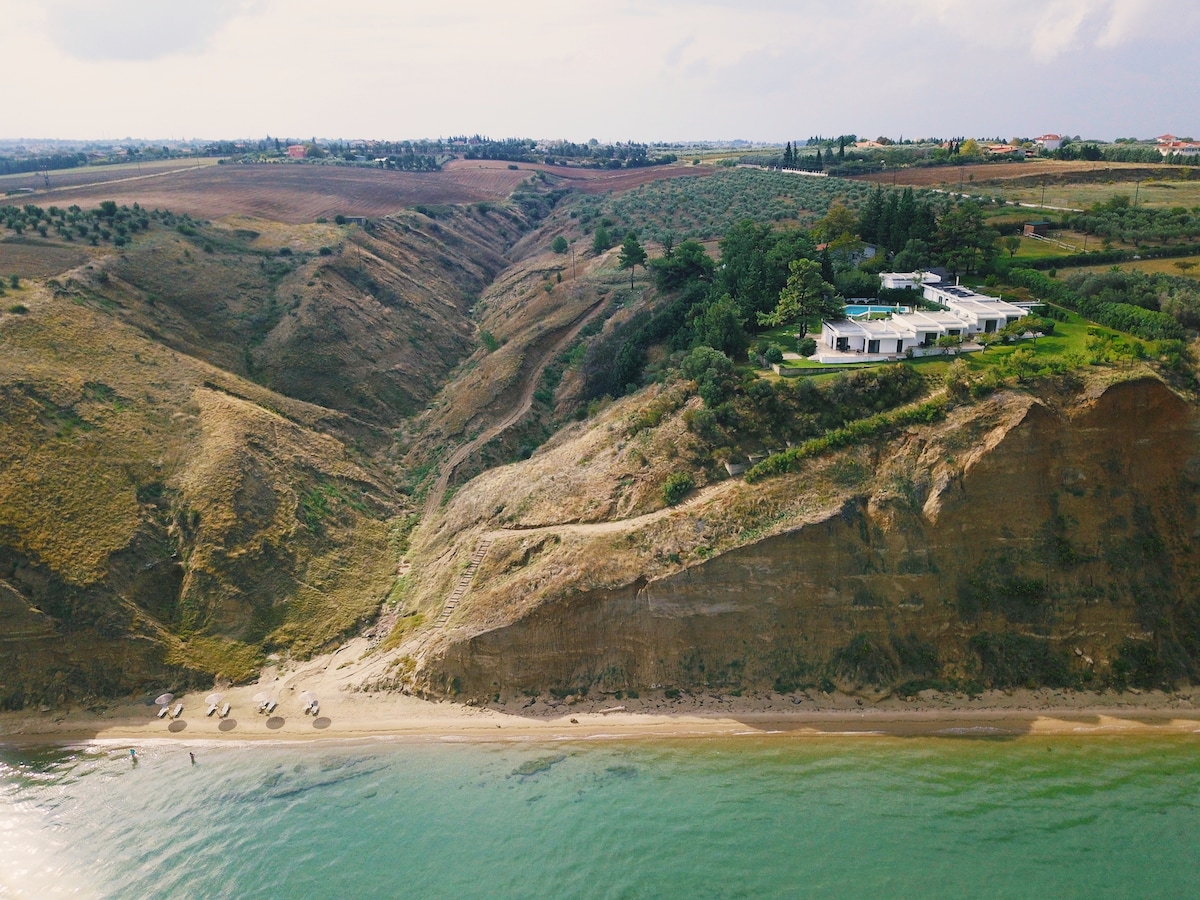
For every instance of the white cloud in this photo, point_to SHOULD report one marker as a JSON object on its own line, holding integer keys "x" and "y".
{"x": 1057, "y": 29}
{"x": 135, "y": 29}
{"x": 669, "y": 69}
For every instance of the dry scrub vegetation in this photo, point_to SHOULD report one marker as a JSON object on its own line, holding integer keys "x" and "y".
{"x": 149, "y": 482}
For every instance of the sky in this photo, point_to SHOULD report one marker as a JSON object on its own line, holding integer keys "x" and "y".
{"x": 653, "y": 70}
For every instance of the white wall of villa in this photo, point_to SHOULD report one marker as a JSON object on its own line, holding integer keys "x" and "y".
{"x": 965, "y": 314}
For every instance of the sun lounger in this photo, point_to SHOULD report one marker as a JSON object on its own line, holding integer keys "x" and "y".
{"x": 162, "y": 712}
{"x": 270, "y": 707}
{"x": 224, "y": 711}
{"x": 315, "y": 707}
{"x": 211, "y": 709}
{"x": 178, "y": 711}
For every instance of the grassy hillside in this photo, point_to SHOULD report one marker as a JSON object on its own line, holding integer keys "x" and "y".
{"x": 151, "y": 504}
{"x": 364, "y": 321}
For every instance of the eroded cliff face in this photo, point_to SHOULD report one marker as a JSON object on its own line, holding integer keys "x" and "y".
{"x": 1054, "y": 542}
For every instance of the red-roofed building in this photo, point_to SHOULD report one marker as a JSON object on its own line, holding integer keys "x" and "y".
{"x": 1049, "y": 141}
{"x": 1178, "y": 148}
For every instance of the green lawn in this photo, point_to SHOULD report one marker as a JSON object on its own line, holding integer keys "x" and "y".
{"x": 1070, "y": 337}
{"x": 784, "y": 336}
{"x": 1031, "y": 249}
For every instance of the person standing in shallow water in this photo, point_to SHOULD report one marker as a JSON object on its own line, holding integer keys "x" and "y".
{"x": 193, "y": 757}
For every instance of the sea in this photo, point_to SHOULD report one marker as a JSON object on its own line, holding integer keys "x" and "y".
{"x": 961, "y": 815}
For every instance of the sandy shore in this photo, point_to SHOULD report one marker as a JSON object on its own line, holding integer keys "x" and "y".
{"x": 345, "y": 716}
{"x": 347, "y": 712}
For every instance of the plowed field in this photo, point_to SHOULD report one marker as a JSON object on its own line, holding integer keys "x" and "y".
{"x": 32, "y": 259}
{"x": 90, "y": 175}
{"x": 301, "y": 193}
{"x": 935, "y": 176}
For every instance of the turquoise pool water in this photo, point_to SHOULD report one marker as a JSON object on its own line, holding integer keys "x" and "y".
{"x": 856, "y": 309}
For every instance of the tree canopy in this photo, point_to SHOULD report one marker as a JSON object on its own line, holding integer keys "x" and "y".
{"x": 805, "y": 296}
{"x": 633, "y": 254}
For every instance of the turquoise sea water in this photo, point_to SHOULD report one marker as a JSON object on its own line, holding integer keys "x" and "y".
{"x": 774, "y": 816}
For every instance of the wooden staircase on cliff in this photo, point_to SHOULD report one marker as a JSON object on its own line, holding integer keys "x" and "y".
{"x": 464, "y": 581}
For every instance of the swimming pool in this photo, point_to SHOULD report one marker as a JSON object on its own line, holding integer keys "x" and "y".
{"x": 857, "y": 309}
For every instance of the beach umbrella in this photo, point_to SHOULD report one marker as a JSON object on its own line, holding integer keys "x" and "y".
{"x": 261, "y": 697}
{"x": 214, "y": 699}
{"x": 164, "y": 699}
{"x": 307, "y": 698}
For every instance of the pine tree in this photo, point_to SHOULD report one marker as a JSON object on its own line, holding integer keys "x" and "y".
{"x": 632, "y": 255}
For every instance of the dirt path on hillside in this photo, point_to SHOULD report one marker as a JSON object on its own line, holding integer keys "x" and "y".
{"x": 514, "y": 415}
{"x": 618, "y": 525}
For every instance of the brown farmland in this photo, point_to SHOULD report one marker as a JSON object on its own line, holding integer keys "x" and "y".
{"x": 934, "y": 176}
{"x": 92, "y": 175}
{"x": 34, "y": 259}
{"x": 295, "y": 193}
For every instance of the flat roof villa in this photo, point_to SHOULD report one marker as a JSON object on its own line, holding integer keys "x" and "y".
{"x": 895, "y": 280}
{"x": 966, "y": 313}
{"x": 875, "y": 337}
{"x": 982, "y": 313}
{"x": 882, "y": 339}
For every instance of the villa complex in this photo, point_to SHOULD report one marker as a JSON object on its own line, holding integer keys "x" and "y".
{"x": 963, "y": 313}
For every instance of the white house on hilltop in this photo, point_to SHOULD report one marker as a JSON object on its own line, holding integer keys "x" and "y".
{"x": 890, "y": 337}
{"x": 965, "y": 314}
{"x": 983, "y": 314}
{"x": 907, "y": 279}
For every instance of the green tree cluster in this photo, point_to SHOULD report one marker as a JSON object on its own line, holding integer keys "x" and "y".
{"x": 805, "y": 296}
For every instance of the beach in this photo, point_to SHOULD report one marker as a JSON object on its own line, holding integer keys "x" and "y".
{"x": 347, "y": 712}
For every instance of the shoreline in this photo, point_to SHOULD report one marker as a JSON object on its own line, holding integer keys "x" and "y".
{"x": 394, "y": 716}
